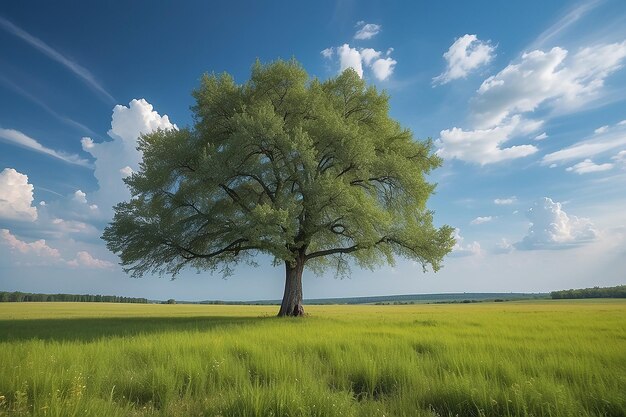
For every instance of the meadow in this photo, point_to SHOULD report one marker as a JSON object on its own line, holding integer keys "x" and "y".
{"x": 540, "y": 358}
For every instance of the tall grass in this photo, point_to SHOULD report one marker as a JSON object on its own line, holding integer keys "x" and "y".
{"x": 550, "y": 358}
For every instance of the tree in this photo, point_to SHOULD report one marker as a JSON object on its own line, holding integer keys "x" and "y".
{"x": 311, "y": 173}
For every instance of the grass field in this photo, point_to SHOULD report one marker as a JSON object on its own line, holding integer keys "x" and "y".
{"x": 548, "y": 358}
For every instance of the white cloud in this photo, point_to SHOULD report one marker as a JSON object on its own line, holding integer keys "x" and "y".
{"x": 620, "y": 158}
{"x": 460, "y": 249}
{"x": 601, "y": 129}
{"x": 609, "y": 139}
{"x": 349, "y": 58}
{"x": 542, "y": 136}
{"x": 466, "y": 54}
{"x": 367, "y": 30}
{"x": 63, "y": 227}
{"x": 18, "y": 138}
{"x": 505, "y": 201}
{"x": 369, "y": 54}
{"x": 16, "y": 196}
{"x": 484, "y": 146}
{"x": 115, "y": 158}
{"x": 552, "y": 228}
{"x": 547, "y": 78}
{"x": 587, "y": 166}
{"x": 481, "y": 220}
{"x": 41, "y": 250}
{"x": 383, "y": 68}
{"x": 327, "y": 53}
{"x": 565, "y": 22}
{"x": 126, "y": 171}
{"x": 80, "y": 197}
{"x": 38, "y": 247}
{"x": 86, "y": 260}
{"x": 73, "y": 66}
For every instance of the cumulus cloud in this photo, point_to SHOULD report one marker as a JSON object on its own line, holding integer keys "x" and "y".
{"x": 349, "y": 58}
{"x": 115, "y": 159}
{"x": 367, "y": 30}
{"x": 38, "y": 248}
{"x": 383, "y": 68}
{"x": 86, "y": 260}
{"x": 380, "y": 64}
{"x": 481, "y": 220}
{"x": 80, "y": 197}
{"x": 552, "y": 78}
{"x": 484, "y": 146}
{"x": 465, "y": 55}
{"x": 20, "y": 139}
{"x": 609, "y": 139}
{"x": 505, "y": 201}
{"x": 460, "y": 249}
{"x": 368, "y": 55}
{"x": 16, "y": 196}
{"x": 552, "y": 228}
{"x": 587, "y": 166}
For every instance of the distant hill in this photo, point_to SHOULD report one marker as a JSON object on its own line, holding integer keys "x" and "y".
{"x": 400, "y": 299}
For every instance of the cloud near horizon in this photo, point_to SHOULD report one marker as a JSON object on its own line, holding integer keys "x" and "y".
{"x": 552, "y": 228}
{"x": 40, "y": 251}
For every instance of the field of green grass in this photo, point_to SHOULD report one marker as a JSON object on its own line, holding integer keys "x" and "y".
{"x": 540, "y": 358}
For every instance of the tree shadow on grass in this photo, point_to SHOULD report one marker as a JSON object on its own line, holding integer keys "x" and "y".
{"x": 93, "y": 328}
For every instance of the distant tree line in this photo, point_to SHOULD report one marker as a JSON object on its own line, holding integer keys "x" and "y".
{"x": 595, "y": 292}
{"x": 17, "y": 296}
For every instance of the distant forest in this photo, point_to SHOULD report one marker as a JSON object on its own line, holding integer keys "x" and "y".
{"x": 595, "y": 292}
{"x": 17, "y": 296}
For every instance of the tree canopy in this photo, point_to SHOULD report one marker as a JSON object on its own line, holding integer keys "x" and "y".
{"x": 309, "y": 172}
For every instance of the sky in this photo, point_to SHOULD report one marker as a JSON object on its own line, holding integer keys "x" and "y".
{"x": 525, "y": 103}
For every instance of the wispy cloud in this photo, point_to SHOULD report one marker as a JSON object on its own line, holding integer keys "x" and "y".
{"x": 612, "y": 138}
{"x": 80, "y": 71}
{"x": 18, "y": 138}
{"x": 48, "y": 109}
{"x": 568, "y": 19}
{"x": 367, "y": 30}
{"x": 465, "y": 55}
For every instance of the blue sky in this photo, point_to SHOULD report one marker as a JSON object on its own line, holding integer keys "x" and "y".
{"x": 526, "y": 103}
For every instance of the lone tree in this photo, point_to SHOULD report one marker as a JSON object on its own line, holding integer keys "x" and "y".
{"x": 312, "y": 173}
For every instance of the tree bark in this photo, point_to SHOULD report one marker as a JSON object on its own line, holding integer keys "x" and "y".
{"x": 292, "y": 298}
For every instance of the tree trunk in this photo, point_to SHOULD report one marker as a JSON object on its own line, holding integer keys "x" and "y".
{"x": 292, "y": 299}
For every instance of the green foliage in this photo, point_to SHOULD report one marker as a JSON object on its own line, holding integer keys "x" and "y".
{"x": 18, "y": 296}
{"x": 618, "y": 291}
{"x": 541, "y": 358}
{"x": 283, "y": 165}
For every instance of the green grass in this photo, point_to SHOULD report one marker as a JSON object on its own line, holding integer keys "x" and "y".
{"x": 543, "y": 358}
